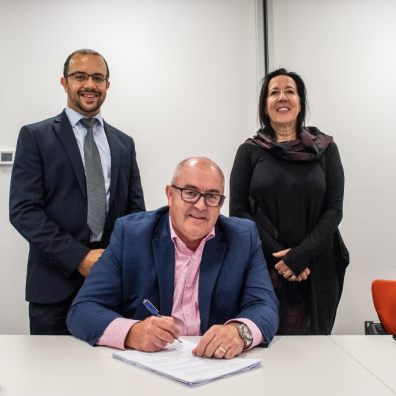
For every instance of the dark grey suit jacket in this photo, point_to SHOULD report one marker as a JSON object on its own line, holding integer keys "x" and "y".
{"x": 48, "y": 202}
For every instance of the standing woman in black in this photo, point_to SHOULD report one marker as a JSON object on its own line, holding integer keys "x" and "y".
{"x": 289, "y": 179}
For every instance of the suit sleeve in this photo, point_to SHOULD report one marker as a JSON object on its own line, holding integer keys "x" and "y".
{"x": 323, "y": 231}
{"x": 27, "y": 209}
{"x": 258, "y": 300}
{"x": 240, "y": 201}
{"x": 98, "y": 301}
{"x": 136, "y": 198}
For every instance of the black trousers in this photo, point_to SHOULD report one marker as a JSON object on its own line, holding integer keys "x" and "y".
{"x": 49, "y": 319}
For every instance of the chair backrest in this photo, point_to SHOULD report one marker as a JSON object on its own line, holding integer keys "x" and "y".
{"x": 384, "y": 297}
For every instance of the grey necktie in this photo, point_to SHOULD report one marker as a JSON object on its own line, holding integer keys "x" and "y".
{"x": 95, "y": 181}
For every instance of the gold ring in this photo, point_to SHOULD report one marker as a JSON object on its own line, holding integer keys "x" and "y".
{"x": 221, "y": 349}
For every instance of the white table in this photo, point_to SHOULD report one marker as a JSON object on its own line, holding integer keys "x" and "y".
{"x": 292, "y": 366}
{"x": 376, "y": 353}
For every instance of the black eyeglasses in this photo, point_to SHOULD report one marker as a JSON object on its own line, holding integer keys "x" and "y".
{"x": 193, "y": 196}
{"x": 81, "y": 77}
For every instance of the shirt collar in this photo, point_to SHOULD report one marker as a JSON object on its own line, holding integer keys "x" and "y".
{"x": 75, "y": 117}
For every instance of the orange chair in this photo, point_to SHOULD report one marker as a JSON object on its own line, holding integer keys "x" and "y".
{"x": 384, "y": 297}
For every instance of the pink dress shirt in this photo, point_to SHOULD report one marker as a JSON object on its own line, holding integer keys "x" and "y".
{"x": 185, "y": 308}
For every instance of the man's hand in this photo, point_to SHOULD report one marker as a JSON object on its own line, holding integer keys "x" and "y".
{"x": 152, "y": 334}
{"x": 221, "y": 342}
{"x": 89, "y": 261}
{"x": 286, "y": 272}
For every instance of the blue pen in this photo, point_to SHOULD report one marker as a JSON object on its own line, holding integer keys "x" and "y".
{"x": 154, "y": 311}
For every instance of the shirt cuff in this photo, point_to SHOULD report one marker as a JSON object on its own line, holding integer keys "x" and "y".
{"x": 256, "y": 333}
{"x": 116, "y": 332}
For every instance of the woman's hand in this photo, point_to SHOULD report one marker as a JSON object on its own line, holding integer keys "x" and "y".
{"x": 286, "y": 272}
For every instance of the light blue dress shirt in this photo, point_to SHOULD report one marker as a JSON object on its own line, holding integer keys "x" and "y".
{"x": 103, "y": 147}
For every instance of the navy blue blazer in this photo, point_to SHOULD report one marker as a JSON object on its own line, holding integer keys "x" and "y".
{"x": 140, "y": 263}
{"x": 48, "y": 202}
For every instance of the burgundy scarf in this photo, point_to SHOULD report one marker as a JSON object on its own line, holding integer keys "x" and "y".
{"x": 309, "y": 146}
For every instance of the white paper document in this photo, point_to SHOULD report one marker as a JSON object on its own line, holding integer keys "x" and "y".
{"x": 178, "y": 362}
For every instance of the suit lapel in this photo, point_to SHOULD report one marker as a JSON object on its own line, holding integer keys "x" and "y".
{"x": 65, "y": 133}
{"x": 164, "y": 258}
{"x": 212, "y": 260}
{"x": 115, "y": 160}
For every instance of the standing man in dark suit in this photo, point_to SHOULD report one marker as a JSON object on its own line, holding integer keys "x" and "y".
{"x": 73, "y": 176}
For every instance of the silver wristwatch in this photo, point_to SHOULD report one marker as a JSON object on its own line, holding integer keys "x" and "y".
{"x": 244, "y": 333}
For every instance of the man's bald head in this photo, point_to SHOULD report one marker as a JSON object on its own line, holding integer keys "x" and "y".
{"x": 202, "y": 163}
{"x": 193, "y": 219}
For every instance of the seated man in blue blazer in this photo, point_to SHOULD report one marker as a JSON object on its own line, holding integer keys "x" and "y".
{"x": 204, "y": 272}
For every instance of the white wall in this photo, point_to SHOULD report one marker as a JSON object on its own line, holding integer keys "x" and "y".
{"x": 345, "y": 51}
{"x": 184, "y": 81}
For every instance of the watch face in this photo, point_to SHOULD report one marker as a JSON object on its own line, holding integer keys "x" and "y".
{"x": 247, "y": 334}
